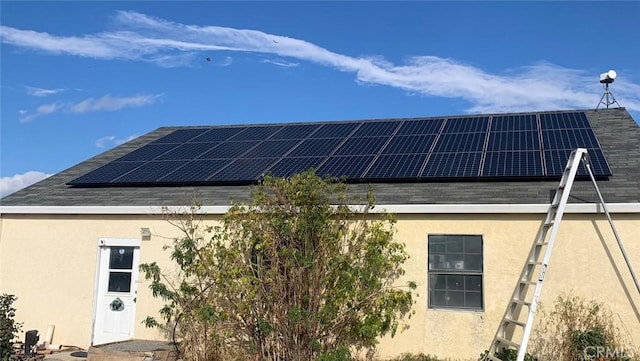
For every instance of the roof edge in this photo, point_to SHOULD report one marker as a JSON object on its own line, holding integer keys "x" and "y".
{"x": 391, "y": 208}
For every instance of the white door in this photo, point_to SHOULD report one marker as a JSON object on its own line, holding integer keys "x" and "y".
{"x": 115, "y": 308}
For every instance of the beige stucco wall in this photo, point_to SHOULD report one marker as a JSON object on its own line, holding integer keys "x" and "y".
{"x": 49, "y": 263}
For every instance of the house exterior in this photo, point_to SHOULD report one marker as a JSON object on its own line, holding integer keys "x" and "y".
{"x": 68, "y": 252}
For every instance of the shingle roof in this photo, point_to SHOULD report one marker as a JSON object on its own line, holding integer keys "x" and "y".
{"x": 618, "y": 133}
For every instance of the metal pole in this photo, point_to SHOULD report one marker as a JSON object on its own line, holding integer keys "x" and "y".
{"x": 615, "y": 232}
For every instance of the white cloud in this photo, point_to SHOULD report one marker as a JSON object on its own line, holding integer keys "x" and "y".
{"x": 280, "y": 62}
{"x": 144, "y": 38}
{"x": 109, "y": 103}
{"x": 14, "y": 183}
{"x": 113, "y": 140}
{"x": 105, "y": 103}
{"x": 44, "y": 109}
{"x": 41, "y": 92}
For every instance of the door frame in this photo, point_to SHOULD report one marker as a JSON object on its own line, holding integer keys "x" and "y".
{"x": 109, "y": 242}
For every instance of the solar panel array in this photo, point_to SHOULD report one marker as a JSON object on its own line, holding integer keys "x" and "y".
{"x": 524, "y": 146}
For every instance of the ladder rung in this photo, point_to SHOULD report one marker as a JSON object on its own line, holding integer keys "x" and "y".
{"x": 508, "y": 342}
{"x": 524, "y": 282}
{"x": 521, "y": 302}
{"x": 515, "y": 322}
{"x": 542, "y": 243}
{"x": 535, "y": 263}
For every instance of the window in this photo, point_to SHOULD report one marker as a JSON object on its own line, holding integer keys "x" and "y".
{"x": 455, "y": 271}
{"x": 120, "y": 269}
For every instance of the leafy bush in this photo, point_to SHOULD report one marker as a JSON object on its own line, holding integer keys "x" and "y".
{"x": 578, "y": 330}
{"x": 295, "y": 274}
{"x": 8, "y": 326}
{"x": 507, "y": 354}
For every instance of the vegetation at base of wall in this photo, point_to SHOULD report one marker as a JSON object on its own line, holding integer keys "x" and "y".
{"x": 415, "y": 357}
{"x": 295, "y": 274}
{"x": 507, "y": 354}
{"x": 577, "y": 329}
{"x": 8, "y": 326}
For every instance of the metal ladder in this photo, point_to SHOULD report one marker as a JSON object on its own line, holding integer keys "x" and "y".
{"x": 511, "y": 326}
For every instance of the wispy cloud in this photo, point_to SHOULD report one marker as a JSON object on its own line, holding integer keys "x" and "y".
{"x": 14, "y": 183}
{"x": 144, "y": 38}
{"x": 105, "y": 103}
{"x": 280, "y": 62}
{"x": 109, "y": 103}
{"x": 41, "y": 92}
{"x": 111, "y": 140}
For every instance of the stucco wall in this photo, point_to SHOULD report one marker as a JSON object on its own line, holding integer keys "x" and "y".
{"x": 49, "y": 263}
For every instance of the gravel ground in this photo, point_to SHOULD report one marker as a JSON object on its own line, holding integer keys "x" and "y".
{"x": 138, "y": 346}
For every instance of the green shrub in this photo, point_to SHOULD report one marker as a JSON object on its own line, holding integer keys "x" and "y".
{"x": 577, "y": 330}
{"x": 507, "y": 354}
{"x": 8, "y": 326}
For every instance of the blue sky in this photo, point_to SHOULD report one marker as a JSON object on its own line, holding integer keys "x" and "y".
{"x": 79, "y": 78}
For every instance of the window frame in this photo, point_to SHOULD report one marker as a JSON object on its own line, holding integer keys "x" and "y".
{"x": 433, "y": 271}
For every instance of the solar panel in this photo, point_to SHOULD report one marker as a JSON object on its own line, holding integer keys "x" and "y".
{"x": 376, "y": 129}
{"x": 181, "y": 135}
{"x": 187, "y": 151}
{"x": 452, "y": 165}
{"x": 289, "y": 166}
{"x": 466, "y": 125}
{"x": 106, "y": 173}
{"x": 531, "y": 145}
{"x": 517, "y": 140}
{"x": 148, "y": 152}
{"x": 295, "y": 131}
{"x": 195, "y": 171}
{"x": 271, "y": 149}
{"x": 351, "y": 167}
{"x": 216, "y": 135}
{"x": 396, "y": 166}
{"x": 316, "y": 147}
{"x": 243, "y": 170}
{"x": 255, "y": 133}
{"x": 150, "y": 172}
{"x": 460, "y": 142}
{"x": 509, "y": 123}
{"x": 513, "y": 164}
{"x": 229, "y": 150}
{"x": 361, "y": 146}
{"x": 408, "y": 144}
{"x": 421, "y": 126}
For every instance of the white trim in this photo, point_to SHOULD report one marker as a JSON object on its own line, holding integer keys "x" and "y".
{"x": 392, "y": 208}
{"x": 123, "y": 242}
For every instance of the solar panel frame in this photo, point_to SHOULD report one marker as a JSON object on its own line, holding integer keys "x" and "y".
{"x": 459, "y": 143}
{"x": 256, "y": 133}
{"x": 229, "y": 149}
{"x": 466, "y": 125}
{"x": 513, "y": 140}
{"x": 271, "y": 148}
{"x": 336, "y": 130}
